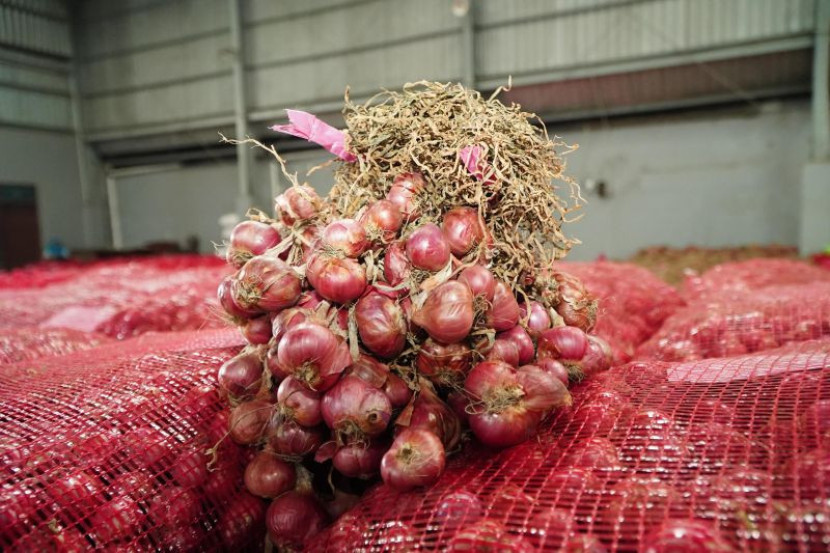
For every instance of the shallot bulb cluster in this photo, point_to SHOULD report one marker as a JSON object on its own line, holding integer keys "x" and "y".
{"x": 374, "y": 340}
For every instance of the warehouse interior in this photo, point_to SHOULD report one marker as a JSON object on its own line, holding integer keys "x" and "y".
{"x": 705, "y": 121}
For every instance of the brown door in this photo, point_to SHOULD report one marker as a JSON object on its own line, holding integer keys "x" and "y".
{"x": 19, "y": 232}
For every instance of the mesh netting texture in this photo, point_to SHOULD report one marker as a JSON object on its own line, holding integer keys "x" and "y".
{"x": 633, "y": 303}
{"x": 716, "y": 455}
{"x": 734, "y": 323}
{"x": 122, "y": 299}
{"x": 29, "y": 343}
{"x": 752, "y": 275}
{"x": 105, "y": 449}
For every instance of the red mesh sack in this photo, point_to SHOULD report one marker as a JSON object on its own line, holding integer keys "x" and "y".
{"x": 26, "y": 344}
{"x": 754, "y": 274}
{"x": 717, "y": 455}
{"x": 633, "y": 303}
{"x": 105, "y": 449}
{"x": 121, "y": 300}
{"x": 735, "y": 323}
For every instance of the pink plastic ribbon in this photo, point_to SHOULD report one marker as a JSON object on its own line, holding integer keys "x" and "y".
{"x": 305, "y": 125}
{"x": 471, "y": 157}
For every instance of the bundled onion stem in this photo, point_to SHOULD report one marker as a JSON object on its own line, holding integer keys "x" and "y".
{"x": 423, "y": 128}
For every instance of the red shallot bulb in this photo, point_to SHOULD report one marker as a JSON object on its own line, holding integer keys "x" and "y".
{"x": 463, "y": 230}
{"x": 447, "y": 314}
{"x": 396, "y": 266}
{"x": 286, "y": 437}
{"x": 444, "y": 364}
{"x": 523, "y": 341}
{"x": 248, "y": 421}
{"x": 538, "y": 320}
{"x": 382, "y": 221}
{"x": 338, "y": 280}
{"x": 504, "y": 312}
{"x": 298, "y": 403}
{"x": 567, "y": 343}
{"x": 269, "y": 476}
{"x": 313, "y": 355}
{"x": 266, "y": 284}
{"x": 353, "y": 408}
{"x": 416, "y": 458}
{"x": 258, "y": 330}
{"x": 226, "y": 299}
{"x": 480, "y": 280}
{"x": 249, "y": 239}
{"x": 298, "y": 203}
{"x": 346, "y": 236}
{"x": 502, "y": 349}
{"x": 404, "y": 194}
{"x": 427, "y": 248}
{"x": 381, "y": 324}
{"x": 360, "y": 460}
{"x": 293, "y": 519}
{"x": 241, "y": 376}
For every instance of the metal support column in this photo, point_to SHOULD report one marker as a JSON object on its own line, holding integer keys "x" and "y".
{"x": 821, "y": 83}
{"x": 468, "y": 44}
{"x": 243, "y": 153}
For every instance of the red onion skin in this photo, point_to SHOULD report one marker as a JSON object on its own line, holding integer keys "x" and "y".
{"x": 480, "y": 280}
{"x": 410, "y": 181}
{"x": 538, "y": 321}
{"x": 286, "y": 437}
{"x": 555, "y": 368}
{"x": 397, "y": 391}
{"x": 427, "y": 248}
{"x": 447, "y": 314}
{"x": 248, "y": 421}
{"x": 346, "y": 236}
{"x": 444, "y": 363}
{"x": 338, "y": 280}
{"x": 404, "y": 192}
{"x": 242, "y": 518}
{"x": 543, "y": 391}
{"x": 370, "y": 370}
{"x": 226, "y": 299}
{"x": 310, "y": 300}
{"x": 381, "y": 325}
{"x": 505, "y": 350}
{"x": 510, "y": 427}
{"x": 269, "y": 476}
{"x": 359, "y": 460}
{"x": 287, "y": 319}
{"x": 416, "y": 458}
{"x": 504, "y": 313}
{"x": 241, "y": 376}
{"x": 463, "y": 230}
{"x": 299, "y": 403}
{"x": 314, "y": 355}
{"x": 563, "y": 342}
{"x": 396, "y": 265}
{"x": 597, "y": 357}
{"x": 266, "y": 284}
{"x": 298, "y": 203}
{"x": 459, "y": 404}
{"x": 430, "y": 413}
{"x": 293, "y": 519}
{"x": 273, "y": 365}
{"x": 523, "y": 341}
{"x": 352, "y": 405}
{"x": 257, "y": 331}
{"x": 383, "y": 219}
{"x": 249, "y": 239}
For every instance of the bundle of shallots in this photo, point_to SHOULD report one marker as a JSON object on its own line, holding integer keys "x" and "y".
{"x": 410, "y": 306}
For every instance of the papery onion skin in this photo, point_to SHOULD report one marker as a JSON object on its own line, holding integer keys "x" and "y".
{"x": 241, "y": 376}
{"x": 381, "y": 325}
{"x": 562, "y": 342}
{"x": 286, "y": 437}
{"x": 480, "y": 280}
{"x": 338, "y": 280}
{"x": 249, "y": 239}
{"x": 404, "y": 194}
{"x": 360, "y": 460}
{"x": 298, "y": 203}
{"x": 416, "y": 458}
{"x": 258, "y": 330}
{"x": 268, "y": 476}
{"x": 346, "y": 236}
{"x": 353, "y": 407}
{"x": 523, "y": 341}
{"x": 314, "y": 355}
{"x": 429, "y": 412}
{"x": 502, "y": 349}
{"x": 396, "y": 265}
{"x": 447, "y": 314}
{"x": 427, "y": 248}
{"x": 397, "y": 390}
{"x": 504, "y": 312}
{"x": 444, "y": 363}
{"x": 266, "y": 283}
{"x": 538, "y": 321}
{"x": 463, "y": 230}
{"x": 299, "y": 403}
{"x": 555, "y": 368}
{"x": 543, "y": 391}
{"x": 288, "y": 319}
{"x": 249, "y": 420}
{"x": 294, "y": 518}
{"x": 382, "y": 221}
{"x": 225, "y": 295}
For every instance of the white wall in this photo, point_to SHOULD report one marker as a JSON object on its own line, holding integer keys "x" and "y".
{"x": 49, "y": 161}
{"x": 711, "y": 179}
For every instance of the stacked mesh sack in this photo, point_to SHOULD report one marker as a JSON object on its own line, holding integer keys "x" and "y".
{"x": 633, "y": 303}
{"x": 115, "y": 449}
{"x": 29, "y": 343}
{"x": 715, "y": 455}
{"x": 122, "y": 299}
{"x": 745, "y": 307}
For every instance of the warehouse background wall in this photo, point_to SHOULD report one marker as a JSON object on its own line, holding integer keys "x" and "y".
{"x": 640, "y": 84}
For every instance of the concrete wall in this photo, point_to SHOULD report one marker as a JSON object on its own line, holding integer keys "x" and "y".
{"x": 48, "y": 160}
{"x": 705, "y": 178}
